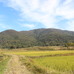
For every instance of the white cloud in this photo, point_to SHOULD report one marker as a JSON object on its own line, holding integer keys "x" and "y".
{"x": 70, "y": 25}
{"x": 43, "y": 11}
{"x": 31, "y": 26}
{"x": 66, "y": 9}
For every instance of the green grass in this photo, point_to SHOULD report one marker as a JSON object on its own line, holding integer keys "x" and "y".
{"x": 3, "y": 61}
{"x": 58, "y": 64}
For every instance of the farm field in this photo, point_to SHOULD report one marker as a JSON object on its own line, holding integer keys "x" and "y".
{"x": 42, "y": 62}
{"x": 40, "y": 53}
{"x": 57, "y": 64}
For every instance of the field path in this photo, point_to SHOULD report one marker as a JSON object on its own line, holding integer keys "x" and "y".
{"x": 14, "y": 66}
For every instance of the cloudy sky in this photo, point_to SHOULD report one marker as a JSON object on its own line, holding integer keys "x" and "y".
{"x": 32, "y": 14}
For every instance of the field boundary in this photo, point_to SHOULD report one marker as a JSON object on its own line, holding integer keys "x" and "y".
{"x": 67, "y": 54}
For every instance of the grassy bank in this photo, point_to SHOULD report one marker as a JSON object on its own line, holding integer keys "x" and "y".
{"x": 3, "y": 62}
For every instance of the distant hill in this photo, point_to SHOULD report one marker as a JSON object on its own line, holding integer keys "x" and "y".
{"x": 37, "y": 37}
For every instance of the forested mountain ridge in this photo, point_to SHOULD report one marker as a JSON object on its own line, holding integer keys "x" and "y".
{"x": 37, "y": 37}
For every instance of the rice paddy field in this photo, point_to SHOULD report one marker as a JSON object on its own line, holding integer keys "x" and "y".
{"x": 54, "y": 62}
{"x": 57, "y": 64}
{"x": 39, "y": 53}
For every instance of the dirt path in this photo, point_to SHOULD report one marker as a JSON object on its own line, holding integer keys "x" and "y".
{"x": 14, "y": 66}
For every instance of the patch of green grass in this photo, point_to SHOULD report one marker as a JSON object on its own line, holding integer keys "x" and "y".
{"x": 3, "y": 62}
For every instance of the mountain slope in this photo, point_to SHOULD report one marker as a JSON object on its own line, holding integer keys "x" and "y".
{"x": 37, "y": 37}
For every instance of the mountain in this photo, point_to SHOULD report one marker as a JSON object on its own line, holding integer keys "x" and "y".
{"x": 37, "y": 37}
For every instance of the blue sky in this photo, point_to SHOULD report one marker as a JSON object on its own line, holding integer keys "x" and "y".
{"x": 33, "y": 14}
